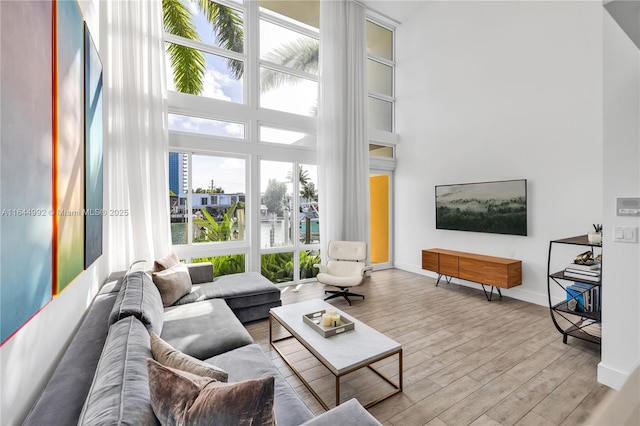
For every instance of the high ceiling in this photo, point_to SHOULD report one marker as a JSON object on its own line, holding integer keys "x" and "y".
{"x": 398, "y": 10}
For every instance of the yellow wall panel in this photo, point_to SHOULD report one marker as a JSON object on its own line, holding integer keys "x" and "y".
{"x": 379, "y": 199}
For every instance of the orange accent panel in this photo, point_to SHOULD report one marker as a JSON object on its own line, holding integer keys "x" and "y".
{"x": 379, "y": 203}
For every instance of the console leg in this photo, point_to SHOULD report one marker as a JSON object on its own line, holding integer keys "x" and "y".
{"x": 446, "y": 278}
{"x": 490, "y": 294}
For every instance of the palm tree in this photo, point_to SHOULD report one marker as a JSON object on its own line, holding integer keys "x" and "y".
{"x": 308, "y": 191}
{"x": 301, "y": 55}
{"x": 188, "y": 64}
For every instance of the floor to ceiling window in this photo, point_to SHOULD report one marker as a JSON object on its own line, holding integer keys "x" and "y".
{"x": 243, "y": 83}
{"x": 242, "y": 80}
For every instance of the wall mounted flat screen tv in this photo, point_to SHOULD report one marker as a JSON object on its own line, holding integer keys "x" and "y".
{"x": 495, "y": 207}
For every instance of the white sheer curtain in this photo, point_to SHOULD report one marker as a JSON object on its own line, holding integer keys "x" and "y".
{"x": 136, "y": 145}
{"x": 343, "y": 144}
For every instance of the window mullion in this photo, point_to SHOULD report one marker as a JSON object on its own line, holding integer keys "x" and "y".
{"x": 189, "y": 203}
{"x": 381, "y": 60}
{"x": 286, "y": 70}
{"x": 382, "y": 97}
{"x": 290, "y": 25}
{"x": 204, "y": 47}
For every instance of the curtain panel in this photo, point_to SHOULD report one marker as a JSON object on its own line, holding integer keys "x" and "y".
{"x": 136, "y": 148}
{"x": 343, "y": 142}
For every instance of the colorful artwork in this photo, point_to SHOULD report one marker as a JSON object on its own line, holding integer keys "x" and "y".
{"x": 26, "y": 163}
{"x": 93, "y": 150}
{"x": 69, "y": 148}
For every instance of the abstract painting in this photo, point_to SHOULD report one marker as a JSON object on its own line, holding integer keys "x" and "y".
{"x": 93, "y": 150}
{"x": 69, "y": 147}
{"x": 26, "y": 163}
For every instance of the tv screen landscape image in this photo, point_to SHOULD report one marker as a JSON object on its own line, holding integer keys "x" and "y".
{"x": 495, "y": 207}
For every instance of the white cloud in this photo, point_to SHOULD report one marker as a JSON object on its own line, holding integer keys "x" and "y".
{"x": 234, "y": 129}
{"x": 213, "y": 85}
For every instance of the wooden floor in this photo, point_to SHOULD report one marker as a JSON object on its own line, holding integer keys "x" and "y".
{"x": 466, "y": 360}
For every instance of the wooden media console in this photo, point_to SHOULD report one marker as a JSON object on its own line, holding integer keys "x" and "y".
{"x": 498, "y": 272}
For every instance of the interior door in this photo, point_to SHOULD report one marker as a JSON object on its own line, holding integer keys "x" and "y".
{"x": 380, "y": 187}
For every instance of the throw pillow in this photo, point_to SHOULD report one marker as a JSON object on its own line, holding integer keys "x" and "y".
{"x": 173, "y": 283}
{"x": 169, "y": 356}
{"x": 166, "y": 262}
{"x": 178, "y": 397}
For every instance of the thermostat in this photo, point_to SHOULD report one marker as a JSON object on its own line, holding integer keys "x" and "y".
{"x": 628, "y": 206}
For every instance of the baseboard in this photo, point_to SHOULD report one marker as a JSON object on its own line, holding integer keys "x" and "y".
{"x": 621, "y": 407}
{"x": 515, "y": 293}
{"x": 611, "y": 377}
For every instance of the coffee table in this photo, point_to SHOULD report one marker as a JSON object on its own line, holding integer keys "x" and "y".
{"x": 340, "y": 354}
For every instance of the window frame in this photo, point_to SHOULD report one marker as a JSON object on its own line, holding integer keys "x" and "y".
{"x": 250, "y": 148}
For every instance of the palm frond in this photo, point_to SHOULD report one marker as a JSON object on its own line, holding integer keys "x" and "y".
{"x": 228, "y": 31}
{"x": 301, "y": 55}
{"x": 188, "y": 64}
{"x": 188, "y": 68}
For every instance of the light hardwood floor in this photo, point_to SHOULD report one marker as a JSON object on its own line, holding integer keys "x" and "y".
{"x": 466, "y": 360}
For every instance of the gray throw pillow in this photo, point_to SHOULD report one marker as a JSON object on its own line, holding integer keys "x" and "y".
{"x": 178, "y": 397}
{"x": 166, "y": 262}
{"x": 169, "y": 356}
{"x": 173, "y": 283}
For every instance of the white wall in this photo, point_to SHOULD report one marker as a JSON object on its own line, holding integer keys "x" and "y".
{"x": 621, "y": 293}
{"x": 28, "y": 358}
{"x": 493, "y": 91}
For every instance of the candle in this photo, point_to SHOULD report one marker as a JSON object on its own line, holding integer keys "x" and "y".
{"x": 335, "y": 320}
{"x": 326, "y": 319}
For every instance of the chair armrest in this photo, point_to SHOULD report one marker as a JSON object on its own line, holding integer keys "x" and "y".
{"x": 322, "y": 268}
{"x": 201, "y": 272}
{"x": 350, "y": 413}
{"x": 366, "y": 269}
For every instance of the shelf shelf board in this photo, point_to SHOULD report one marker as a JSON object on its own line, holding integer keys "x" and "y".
{"x": 562, "y": 276}
{"x": 580, "y": 240}
{"x": 564, "y": 307}
{"x": 581, "y": 334}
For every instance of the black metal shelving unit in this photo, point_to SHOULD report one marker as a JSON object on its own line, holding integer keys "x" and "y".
{"x": 576, "y": 324}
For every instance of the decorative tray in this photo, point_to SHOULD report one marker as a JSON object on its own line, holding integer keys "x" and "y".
{"x": 314, "y": 320}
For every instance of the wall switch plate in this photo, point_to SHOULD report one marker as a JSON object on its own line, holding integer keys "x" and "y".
{"x": 625, "y": 234}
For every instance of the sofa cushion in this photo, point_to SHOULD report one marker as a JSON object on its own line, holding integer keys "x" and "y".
{"x": 178, "y": 397}
{"x": 203, "y": 329}
{"x": 251, "y": 362}
{"x": 172, "y": 283}
{"x": 119, "y": 393}
{"x": 239, "y": 290}
{"x": 69, "y": 382}
{"x": 140, "y": 298}
{"x": 201, "y": 272}
{"x": 166, "y": 262}
{"x": 169, "y": 356}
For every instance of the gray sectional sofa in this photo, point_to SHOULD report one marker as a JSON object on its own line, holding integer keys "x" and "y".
{"x": 102, "y": 378}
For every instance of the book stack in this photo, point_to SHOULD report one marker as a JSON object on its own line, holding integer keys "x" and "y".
{"x": 589, "y": 273}
{"x": 592, "y": 327}
{"x": 586, "y": 296}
